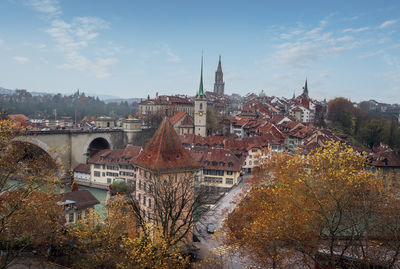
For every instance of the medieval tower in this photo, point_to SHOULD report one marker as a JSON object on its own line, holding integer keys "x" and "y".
{"x": 200, "y": 108}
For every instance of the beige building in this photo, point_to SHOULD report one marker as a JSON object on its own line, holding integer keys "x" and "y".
{"x": 220, "y": 168}
{"x": 162, "y": 103}
{"x": 109, "y": 164}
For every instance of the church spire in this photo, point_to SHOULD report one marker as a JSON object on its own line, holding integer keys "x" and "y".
{"x": 200, "y": 94}
{"x": 306, "y": 88}
{"x": 219, "y": 79}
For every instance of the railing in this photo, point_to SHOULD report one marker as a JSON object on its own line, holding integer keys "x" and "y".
{"x": 72, "y": 131}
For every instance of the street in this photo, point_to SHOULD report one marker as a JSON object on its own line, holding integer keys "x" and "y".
{"x": 210, "y": 245}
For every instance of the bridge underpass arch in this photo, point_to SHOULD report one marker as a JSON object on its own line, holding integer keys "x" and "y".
{"x": 96, "y": 144}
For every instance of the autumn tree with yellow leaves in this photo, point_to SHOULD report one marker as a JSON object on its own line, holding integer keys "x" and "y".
{"x": 327, "y": 208}
{"x": 115, "y": 241}
{"x": 29, "y": 217}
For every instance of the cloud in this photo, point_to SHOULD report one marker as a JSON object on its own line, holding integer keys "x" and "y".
{"x": 300, "y": 48}
{"x": 21, "y": 59}
{"x": 355, "y": 30}
{"x": 77, "y": 34}
{"x": 101, "y": 68}
{"x": 387, "y": 24}
{"x": 171, "y": 57}
{"x": 49, "y": 7}
{"x": 72, "y": 37}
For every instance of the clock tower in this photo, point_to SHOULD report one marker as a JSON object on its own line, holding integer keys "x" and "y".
{"x": 200, "y": 108}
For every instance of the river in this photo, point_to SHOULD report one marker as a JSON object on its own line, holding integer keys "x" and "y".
{"x": 98, "y": 193}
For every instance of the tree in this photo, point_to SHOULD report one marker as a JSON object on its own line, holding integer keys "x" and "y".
{"x": 176, "y": 205}
{"x": 372, "y": 133}
{"x": 113, "y": 241}
{"x": 211, "y": 121}
{"x": 74, "y": 186}
{"x": 317, "y": 209}
{"x": 29, "y": 214}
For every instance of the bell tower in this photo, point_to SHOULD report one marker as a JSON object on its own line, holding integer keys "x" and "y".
{"x": 200, "y": 108}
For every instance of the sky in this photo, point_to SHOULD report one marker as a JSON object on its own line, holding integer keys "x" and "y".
{"x": 135, "y": 48}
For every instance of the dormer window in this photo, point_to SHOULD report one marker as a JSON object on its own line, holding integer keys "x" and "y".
{"x": 221, "y": 164}
{"x": 230, "y": 164}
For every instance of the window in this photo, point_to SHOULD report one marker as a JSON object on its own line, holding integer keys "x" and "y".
{"x": 229, "y": 172}
{"x": 140, "y": 184}
{"x": 104, "y": 174}
{"x": 144, "y": 200}
{"x": 201, "y": 105}
{"x": 149, "y": 202}
{"x": 229, "y": 181}
{"x": 139, "y": 197}
{"x": 97, "y": 166}
{"x": 144, "y": 185}
{"x": 96, "y": 173}
{"x": 108, "y": 180}
{"x": 71, "y": 217}
{"x": 79, "y": 215}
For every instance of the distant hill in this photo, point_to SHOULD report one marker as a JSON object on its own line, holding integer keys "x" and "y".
{"x": 5, "y": 91}
{"x": 104, "y": 97}
{"x": 118, "y": 100}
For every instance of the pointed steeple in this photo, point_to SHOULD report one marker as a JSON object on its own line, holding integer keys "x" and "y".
{"x": 219, "y": 68}
{"x": 200, "y": 94}
{"x": 294, "y": 94}
{"x": 219, "y": 79}
{"x": 306, "y": 88}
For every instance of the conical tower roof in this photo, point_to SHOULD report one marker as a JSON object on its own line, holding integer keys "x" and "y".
{"x": 200, "y": 94}
{"x": 219, "y": 68}
{"x": 164, "y": 152}
{"x": 306, "y": 88}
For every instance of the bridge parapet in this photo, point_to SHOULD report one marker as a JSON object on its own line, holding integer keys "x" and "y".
{"x": 72, "y": 131}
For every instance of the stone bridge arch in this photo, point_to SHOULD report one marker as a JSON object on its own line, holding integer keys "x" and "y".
{"x": 54, "y": 153}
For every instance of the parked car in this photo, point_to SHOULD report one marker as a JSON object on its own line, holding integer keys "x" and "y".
{"x": 210, "y": 228}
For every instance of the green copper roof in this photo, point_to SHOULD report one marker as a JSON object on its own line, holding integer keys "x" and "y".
{"x": 200, "y": 94}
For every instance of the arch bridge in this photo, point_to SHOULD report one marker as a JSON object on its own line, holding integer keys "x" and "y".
{"x": 71, "y": 147}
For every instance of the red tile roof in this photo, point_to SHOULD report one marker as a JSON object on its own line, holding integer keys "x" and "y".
{"x": 165, "y": 151}
{"x": 178, "y": 116}
{"x": 115, "y": 156}
{"x": 388, "y": 158}
{"x": 82, "y": 198}
{"x": 216, "y": 159}
{"x": 82, "y": 168}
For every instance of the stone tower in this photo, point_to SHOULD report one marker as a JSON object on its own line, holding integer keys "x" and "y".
{"x": 200, "y": 108}
{"x": 219, "y": 79}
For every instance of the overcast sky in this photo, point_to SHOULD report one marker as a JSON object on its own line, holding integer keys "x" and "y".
{"x": 135, "y": 48}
